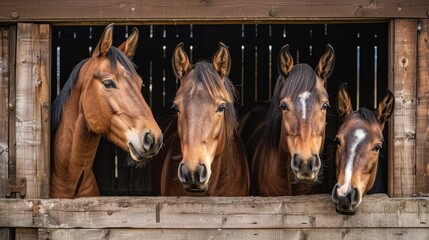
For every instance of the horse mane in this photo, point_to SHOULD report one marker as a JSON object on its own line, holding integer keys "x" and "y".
{"x": 113, "y": 55}
{"x": 367, "y": 115}
{"x": 301, "y": 78}
{"x": 206, "y": 75}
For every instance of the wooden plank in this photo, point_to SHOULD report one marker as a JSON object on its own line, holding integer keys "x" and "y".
{"x": 5, "y": 233}
{"x": 237, "y": 234}
{"x": 315, "y": 211}
{"x": 422, "y": 136}
{"x": 32, "y": 107}
{"x": 25, "y": 233}
{"x": 404, "y": 116}
{"x": 12, "y": 106}
{"x": 207, "y": 11}
{"x": 4, "y": 108}
{"x": 6, "y": 55}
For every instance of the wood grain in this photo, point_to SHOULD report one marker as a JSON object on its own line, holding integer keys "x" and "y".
{"x": 404, "y": 116}
{"x": 4, "y": 108}
{"x": 422, "y": 135}
{"x": 32, "y": 104}
{"x": 236, "y": 234}
{"x": 315, "y": 212}
{"x": 206, "y": 11}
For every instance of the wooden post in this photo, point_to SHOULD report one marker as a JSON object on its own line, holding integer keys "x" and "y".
{"x": 5, "y": 233}
{"x": 422, "y": 135}
{"x": 4, "y": 109}
{"x": 32, "y": 107}
{"x": 402, "y": 180}
{"x": 33, "y": 112}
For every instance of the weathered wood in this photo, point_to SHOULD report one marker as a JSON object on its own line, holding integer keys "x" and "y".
{"x": 4, "y": 108}
{"x": 207, "y": 11}
{"x": 12, "y": 106}
{"x": 5, "y": 233}
{"x": 422, "y": 135}
{"x": 316, "y": 211}
{"x": 236, "y": 234}
{"x": 404, "y": 116}
{"x": 32, "y": 104}
{"x": 25, "y": 233}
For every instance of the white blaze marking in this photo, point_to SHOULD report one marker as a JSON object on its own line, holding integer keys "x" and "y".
{"x": 302, "y": 98}
{"x": 359, "y": 137}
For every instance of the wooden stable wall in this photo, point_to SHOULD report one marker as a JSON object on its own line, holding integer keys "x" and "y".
{"x": 24, "y": 145}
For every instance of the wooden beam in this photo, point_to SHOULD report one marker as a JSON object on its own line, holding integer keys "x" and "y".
{"x": 4, "y": 108}
{"x": 236, "y": 234}
{"x": 32, "y": 107}
{"x": 403, "y": 162}
{"x": 12, "y": 106}
{"x": 314, "y": 211}
{"x": 422, "y": 135}
{"x": 207, "y": 11}
{"x": 5, "y": 233}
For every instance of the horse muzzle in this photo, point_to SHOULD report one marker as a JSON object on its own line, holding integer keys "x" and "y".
{"x": 194, "y": 181}
{"x": 306, "y": 171}
{"x": 347, "y": 204}
{"x": 148, "y": 147}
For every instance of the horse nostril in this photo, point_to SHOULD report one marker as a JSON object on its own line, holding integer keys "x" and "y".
{"x": 315, "y": 162}
{"x": 183, "y": 173}
{"x": 201, "y": 173}
{"x": 148, "y": 141}
{"x": 335, "y": 197}
{"x": 296, "y": 163}
{"x": 354, "y": 197}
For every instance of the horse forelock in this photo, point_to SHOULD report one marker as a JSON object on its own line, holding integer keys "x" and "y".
{"x": 115, "y": 55}
{"x": 367, "y": 115}
{"x": 301, "y": 79}
{"x": 204, "y": 74}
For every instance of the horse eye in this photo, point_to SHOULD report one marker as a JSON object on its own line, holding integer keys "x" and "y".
{"x": 377, "y": 148}
{"x": 109, "y": 84}
{"x": 284, "y": 106}
{"x": 325, "y": 106}
{"x": 221, "y": 108}
{"x": 175, "y": 108}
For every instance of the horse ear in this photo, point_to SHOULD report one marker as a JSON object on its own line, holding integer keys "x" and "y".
{"x": 385, "y": 107}
{"x": 180, "y": 61}
{"x": 130, "y": 45}
{"x": 285, "y": 61}
{"x": 105, "y": 42}
{"x": 222, "y": 60}
{"x": 344, "y": 103}
{"x": 326, "y": 63}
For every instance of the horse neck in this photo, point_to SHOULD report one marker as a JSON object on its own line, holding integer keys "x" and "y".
{"x": 74, "y": 144}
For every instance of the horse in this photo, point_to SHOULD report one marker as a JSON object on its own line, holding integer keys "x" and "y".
{"x": 204, "y": 155}
{"x": 285, "y": 140}
{"x": 359, "y": 141}
{"x": 102, "y": 97}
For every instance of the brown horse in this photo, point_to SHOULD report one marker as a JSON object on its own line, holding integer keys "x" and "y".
{"x": 359, "y": 141}
{"x": 204, "y": 155}
{"x": 102, "y": 97}
{"x": 285, "y": 146}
